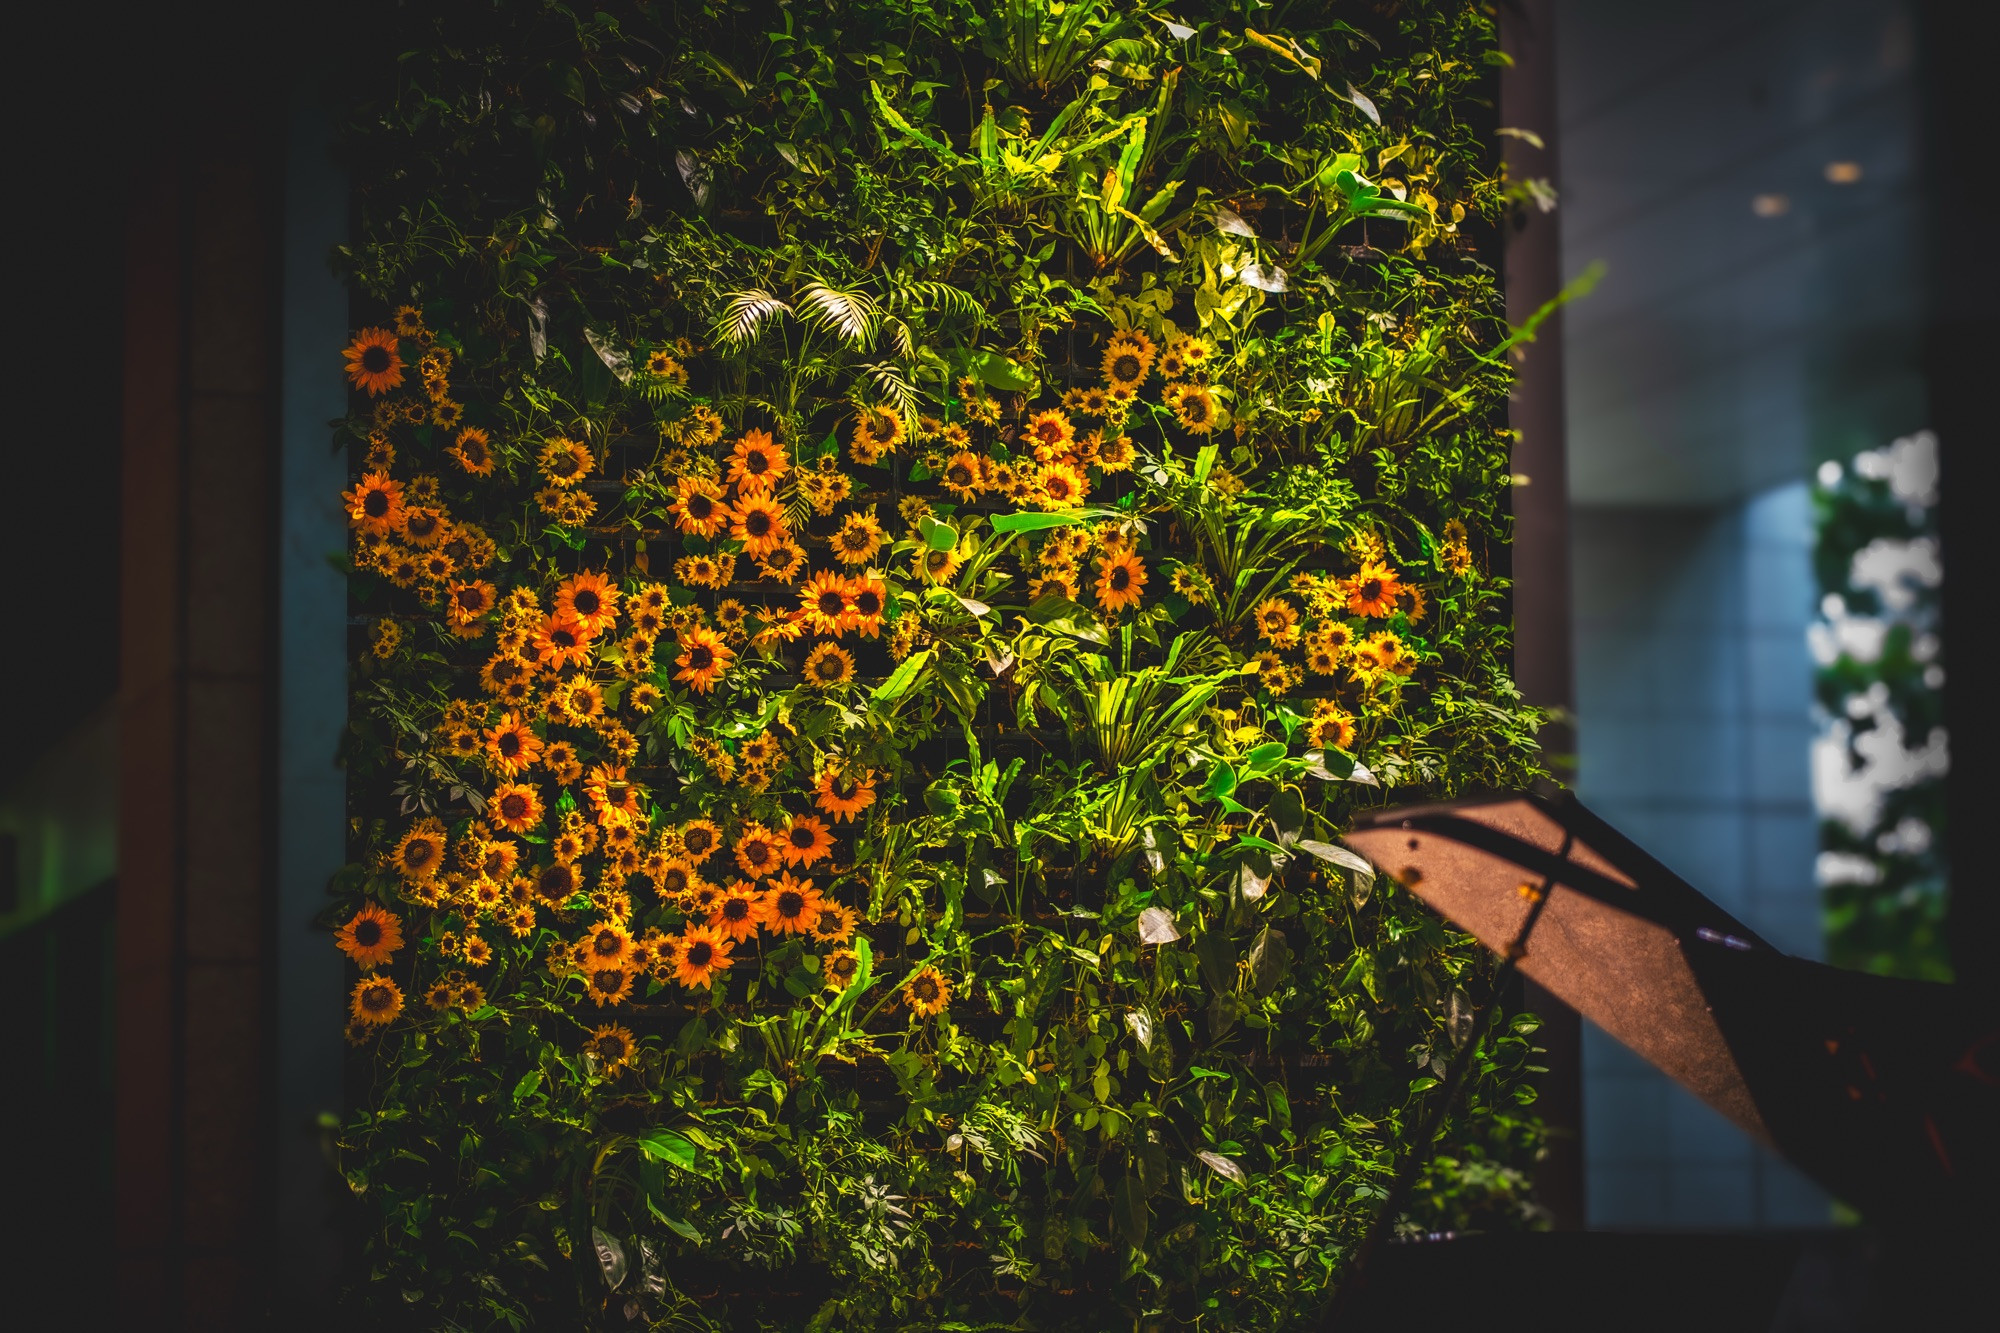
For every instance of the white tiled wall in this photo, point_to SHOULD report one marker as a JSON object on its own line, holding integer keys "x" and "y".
{"x": 1694, "y": 726}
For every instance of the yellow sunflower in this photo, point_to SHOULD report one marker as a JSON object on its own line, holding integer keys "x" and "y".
{"x": 564, "y": 461}
{"x": 612, "y": 1047}
{"x": 824, "y": 599}
{"x": 840, "y": 967}
{"x": 374, "y": 366}
{"x": 758, "y": 851}
{"x": 1277, "y": 621}
{"x": 962, "y": 476}
{"x": 928, "y": 992}
{"x": 1062, "y": 487}
{"x": 699, "y": 839}
{"x": 1049, "y": 434}
{"x": 937, "y": 566}
{"x": 1194, "y": 408}
{"x": 867, "y": 602}
{"x": 791, "y": 907}
{"x": 516, "y": 807}
{"x": 860, "y": 536}
{"x": 608, "y": 984}
{"x": 511, "y": 747}
{"x": 1128, "y": 359}
{"x": 835, "y": 924}
{"x": 756, "y": 463}
{"x": 420, "y": 854}
{"x": 704, "y": 659}
{"x": 782, "y": 563}
{"x": 759, "y": 523}
{"x": 375, "y": 505}
{"x": 827, "y": 666}
{"x": 590, "y": 599}
{"x": 697, "y": 507}
{"x": 559, "y": 758}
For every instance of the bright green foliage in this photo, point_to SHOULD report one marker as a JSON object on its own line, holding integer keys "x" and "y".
{"x": 1139, "y": 660}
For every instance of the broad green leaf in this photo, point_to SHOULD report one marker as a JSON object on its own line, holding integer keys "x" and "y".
{"x": 902, "y": 677}
{"x": 1032, "y": 521}
{"x": 666, "y": 1146}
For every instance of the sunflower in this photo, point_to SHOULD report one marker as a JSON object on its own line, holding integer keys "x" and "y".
{"x": 609, "y": 983}
{"x": 703, "y": 660}
{"x": 791, "y": 907}
{"x": 612, "y": 1047}
{"x": 1194, "y": 350}
{"x": 568, "y": 847}
{"x": 1373, "y": 592}
{"x": 1195, "y": 409}
{"x": 446, "y": 414}
{"x": 1115, "y": 455}
{"x": 824, "y": 599}
{"x": 560, "y": 643}
{"x": 1049, "y": 434}
{"x": 730, "y": 616}
{"x": 516, "y": 807}
{"x": 860, "y": 536}
{"x": 374, "y": 366}
{"x": 663, "y": 365}
{"x": 1062, "y": 487}
{"x": 961, "y": 475}
{"x": 1128, "y": 358}
{"x": 699, "y": 839}
{"x": 607, "y": 944}
{"x": 703, "y": 953}
{"x": 497, "y": 859}
{"x": 409, "y": 322}
{"x": 577, "y": 701}
{"x": 1172, "y": 365}
{"x": 1387, "y": 652}
{"x": 470, "y": 602}
{"x": 643, "y": 697}
{"x": 591, "y": 600}
{"x": 376, "y": 1001}
{"x": 1057, "y": 583}
{"x": 758, "y": 851}
{"x": 1277, "y": 622}
{"x": 883, "y": 425}
{"x": 511, "y": 747}
{"x": 476, "y": 950}
{"x": 1331, "y": 729}
{"x": 420, "y": 854}
{"x": 737, "y": 916}
{"x": 807, "y": 841}
{"x": 867, "y": 599}
{"x": 1121, "y": 579}
{"x": 835, "y": 924}
{"x": 701, "y": 898}
{"x": 759, "y": 523}
{"x": 1190, "y": 582}
{"x": 782, "y": 563}
{"x": 503, "y": 669}
{"x": 827, "y": 666}
{"x": 437, "y": 567}
{"x": 609, "y": 790}
{"x": 371, "y": 937}
{"x": 842, "y": 794}
{"x": 385, "y": 639}
{"x": 840, "y": 967}
{"x": 375, "y": 505}
{"x": 559, "y": 758}
{"x": 1413, "y": 597}
{"x": 928, "y": 992}
{"x": 756, "y": 463}
{"x": 937, "y": 566}
{"x": 697, "y": 507}
{"x": 564, "y": 461}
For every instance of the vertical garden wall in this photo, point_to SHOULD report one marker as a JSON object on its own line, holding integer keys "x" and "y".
{"x": 889, "y": 540}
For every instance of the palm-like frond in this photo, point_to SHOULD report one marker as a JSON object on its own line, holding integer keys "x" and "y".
{"x": 743, "y": 318}
{"x": 852, "y": 315}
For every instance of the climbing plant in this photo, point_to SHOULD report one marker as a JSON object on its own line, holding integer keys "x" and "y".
{"x": 890, "y": 539}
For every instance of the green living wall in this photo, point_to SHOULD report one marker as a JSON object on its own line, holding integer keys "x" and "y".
{"x": 890, "y": 539}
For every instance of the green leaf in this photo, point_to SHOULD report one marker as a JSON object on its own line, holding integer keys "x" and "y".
{"x": 996, "y": 371}
{"x": 666, "y": 1146}
{"x": 938, "y": 536}
{"x": 1032, "y": 521}
{"x": 904, "y": 676}
{"x": 895, "y": 118}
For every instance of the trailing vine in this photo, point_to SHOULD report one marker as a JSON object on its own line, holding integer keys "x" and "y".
{"x": 890, "y": 539}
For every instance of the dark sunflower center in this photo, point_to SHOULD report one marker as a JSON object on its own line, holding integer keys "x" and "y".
{"x": 700, "y": 953}
{"x": 868, "y": 603}
{"x": 701, "y": 658}
{"x": 831, "y": 604}
{"x": 422, "y": 525}
{"x": 555, "y": 882}
{"x": 791, "y": 904}
{"x": 937, "y": 560}
{"x": 418, "y": 853}
{"x": 563, "y": 638}
{"x": 845, "y": 788}
{"x": 845, "y": 967}
{"x": 757, "y": 464}
{"x": 376, "y": 504}
{"x": 736, "y": 909}
{"x": 803, "y": 839}
{"x": 605, "y": 944}
{"x": 611, "y": 1050}
{"x": 608, "y": 979}
{"x": 586, "y": 602}
{"x": 510, "y": 744}
{"x": 471, "y": 599}
{"x": 375, "y": 360}
{"x": 757, "y": 523}
{"x": 377, "y": 999}
{"x": 757, "y": 853}
{"x": 1125, "y": 367}
{"x": 1196, "y": 408}
{"x": 830, "y": 667}
{"x": 1371, "y": 590}
{"x": 698, "y": 841}
{"x": 367, "y": 933}
{"x": 1121, "y": 579}
{"x": 699, "y": 506}
{"x": 924, "y": 989}
{"x": 675, "y": 881}
{"x": 959, "y": 474}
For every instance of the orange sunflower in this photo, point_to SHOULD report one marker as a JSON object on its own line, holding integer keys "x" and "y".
{"x": 840, "y": 967}
{"x": 591, "y": 600}
{"x": 376, "y": 1001}
{"x": 807, "y": 841}
{"x": 560, "y": 643}
{"x": 758, "y": 851}
{"x": 1373, "y": 592}
{"x": 610, "y": 983}
{"x": 375, "y": 505}
{"x": 860, "y": 536}
{"x": 516, "y": 807}
{"x": 791, "y": 907}
{"x": 607, "y": 944}
{"x": 371, "y": 937}
{"x": 759, "y": 523}
{"x": 737, "y": 916}
{"x": 1128, "y": 358}
{"x": 1121, "y": 579}
{"x": 698, "y": 509}
{"x": 928, "y": 992}
{"x": 962, "y": 476}
{"x": 824, "y": 599}
{"x": 783, "y": 563}
{"x": 473, "y": 451}
{"x": 843, "y": 795}
{"x": 756, "y": 463}
{"x": 373, "y": 363}
{"x": 867, "y": 599}
{"x": 704, "y": 659}
{"x": 703, "y": 953}
{"x": 612, "y": 1047}
{"x": 511, "y": 747}
{"x": 699, "y": 839}
{"x": 420, "y": 854}
{"x": 1050, "y": 434}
